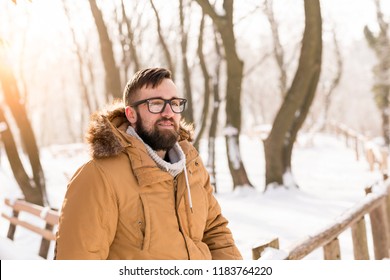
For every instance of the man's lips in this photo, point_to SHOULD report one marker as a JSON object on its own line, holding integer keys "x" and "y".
{"x": 166, "y": 124}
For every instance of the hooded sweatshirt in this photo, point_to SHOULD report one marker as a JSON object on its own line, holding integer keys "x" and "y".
{"x": 122, "y": 205}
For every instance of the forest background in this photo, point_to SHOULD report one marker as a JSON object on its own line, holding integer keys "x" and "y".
{"x": 237, "y": 62}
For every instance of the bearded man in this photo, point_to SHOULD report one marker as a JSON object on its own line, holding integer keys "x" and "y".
{"x": 145, "y": 193}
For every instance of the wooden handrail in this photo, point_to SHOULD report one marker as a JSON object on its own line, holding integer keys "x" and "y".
{"x": 326, "y": 235}
{"x": 377, "y": 204}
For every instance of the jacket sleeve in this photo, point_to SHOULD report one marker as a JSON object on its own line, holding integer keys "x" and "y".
{"x": 88, "y": 217}
{"x": 217, "y": 235}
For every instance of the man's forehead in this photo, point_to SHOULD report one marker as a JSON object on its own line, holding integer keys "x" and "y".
{"x": 165, "y": 90}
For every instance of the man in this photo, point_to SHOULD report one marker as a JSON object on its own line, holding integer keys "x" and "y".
{"x": 145, "y": 193}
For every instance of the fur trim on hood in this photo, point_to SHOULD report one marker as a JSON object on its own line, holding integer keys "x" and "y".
{"x": 106, "y": 134}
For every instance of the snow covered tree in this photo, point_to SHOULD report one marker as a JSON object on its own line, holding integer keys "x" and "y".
{"x": 295, "y": 107}
{"x": 234, "y": 68}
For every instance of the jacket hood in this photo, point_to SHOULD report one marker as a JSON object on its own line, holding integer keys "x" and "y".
{"x": 107, "y": 135}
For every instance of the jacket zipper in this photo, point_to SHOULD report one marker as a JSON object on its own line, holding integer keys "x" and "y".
{"x": 178, "y": 218}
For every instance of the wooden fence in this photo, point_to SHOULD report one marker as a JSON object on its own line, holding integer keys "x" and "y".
{"x": 375, "y": 154}
{"x": 375, "y": 206}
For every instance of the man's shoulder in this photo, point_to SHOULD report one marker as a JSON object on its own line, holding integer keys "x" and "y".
{"x": 186, "y": 146}
{"x": 103, "y": 164}
{"x": 110, "y": 167}
{"x": 110, "y": 162}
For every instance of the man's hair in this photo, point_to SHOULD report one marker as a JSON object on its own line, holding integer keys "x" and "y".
{"x": 144, "y": 78}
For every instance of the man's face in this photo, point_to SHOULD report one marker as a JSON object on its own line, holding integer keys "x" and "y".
{"x": 159, "y": 131}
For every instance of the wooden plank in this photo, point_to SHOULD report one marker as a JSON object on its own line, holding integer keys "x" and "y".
{"x": 43, "y": 232}
{"x": 332, "y": 250}
{"x": 47, "y": 214}
{"x": 359, "y": 239}
{"x": 379, "y": 228}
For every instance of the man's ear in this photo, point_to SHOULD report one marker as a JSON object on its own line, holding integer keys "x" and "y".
{"x": 131, "y": 114}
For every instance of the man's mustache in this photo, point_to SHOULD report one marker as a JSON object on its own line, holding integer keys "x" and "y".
{"x": 176, "y": 126}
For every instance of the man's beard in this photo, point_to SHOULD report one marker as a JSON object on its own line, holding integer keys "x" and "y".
{"x": 158, "y": 140}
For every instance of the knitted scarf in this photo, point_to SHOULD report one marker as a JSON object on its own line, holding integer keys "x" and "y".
{"x": 176, "y": 155}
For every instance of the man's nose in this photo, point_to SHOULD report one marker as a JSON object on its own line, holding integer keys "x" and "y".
{"x": 167, "y": 110}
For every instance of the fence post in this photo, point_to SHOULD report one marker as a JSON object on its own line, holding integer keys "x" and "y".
{"x": 12, "y": 227}
{"x": 346, "y": 138}
{"x": 359, "y": 238}
{"x": 387, "y": 206}
{"x": 370, "y": 158}
{"x": 380, "y": 230}
{"x": 45, "y": 244}
{"x": 332, "y": 250}
{"x": 357, "y": 147}
{"x": 256, "y": 251}
{"x": 383, "y": 164}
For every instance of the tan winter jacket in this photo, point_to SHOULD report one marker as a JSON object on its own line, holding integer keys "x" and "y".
{"x": 120, "y": 205}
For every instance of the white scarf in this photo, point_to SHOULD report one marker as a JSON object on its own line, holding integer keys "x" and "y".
{"x": 176, "y": 155}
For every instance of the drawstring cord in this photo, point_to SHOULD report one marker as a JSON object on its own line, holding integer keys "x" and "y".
{"x": 188, "y": 188}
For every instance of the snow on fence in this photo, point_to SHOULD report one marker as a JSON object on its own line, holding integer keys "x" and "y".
{"x": 375, "y": 206}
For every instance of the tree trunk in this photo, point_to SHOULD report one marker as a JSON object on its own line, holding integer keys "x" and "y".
{"x": 188, "y": 114}
{"x": 206, "y": 88}
{"x": 31, "y": 193}
{"x": 113, "y": 81}
{"x": 164, "y": 45}
{"x": 385, "y": 120}
{"x": 290, "y": 117}
{"x": 225, "y": 27}
{"x": 334, "y": 82}
{"x": 214, "y": 115}
{"x": 129, "y": 49}
{"x": 278, "y": 48}
{"x": 16, "y": 105}
{"x": 86, "y": 105}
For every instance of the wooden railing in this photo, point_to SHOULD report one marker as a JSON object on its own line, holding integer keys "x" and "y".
{"x": 376, "y": 206}
{"x": 375, "y": 154}
{"x": 44, "y": 224}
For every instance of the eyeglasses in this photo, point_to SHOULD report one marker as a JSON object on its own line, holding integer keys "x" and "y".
{"x": 157, "y": 105}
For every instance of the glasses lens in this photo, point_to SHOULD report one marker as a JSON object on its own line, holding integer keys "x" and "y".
{"x": 178, "y": 105}
{"x": 156, "y": 105}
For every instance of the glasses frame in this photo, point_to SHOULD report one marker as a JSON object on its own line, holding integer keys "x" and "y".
{"x": 166, "y": 101}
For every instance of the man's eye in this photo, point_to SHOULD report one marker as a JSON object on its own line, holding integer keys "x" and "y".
{"x": 175, "y": 102}
{"x": 156, "y": 103}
